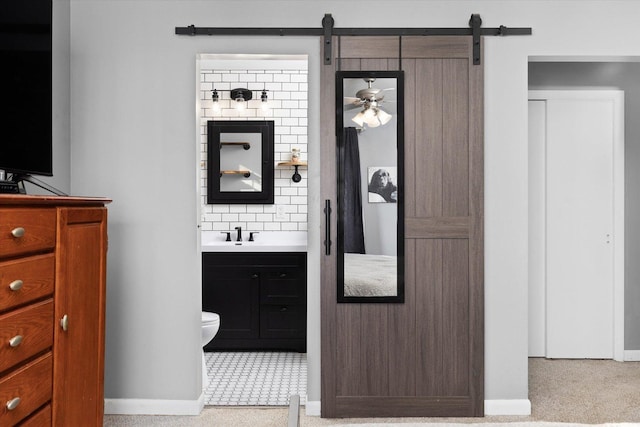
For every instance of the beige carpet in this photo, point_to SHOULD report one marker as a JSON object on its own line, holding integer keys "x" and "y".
{"x": 573, "y": 392}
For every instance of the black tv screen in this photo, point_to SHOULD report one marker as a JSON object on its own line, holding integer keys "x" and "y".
{"x": 25, "y": 86}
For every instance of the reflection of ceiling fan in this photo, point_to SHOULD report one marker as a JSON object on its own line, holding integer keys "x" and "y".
{"x": 369, "y": 99}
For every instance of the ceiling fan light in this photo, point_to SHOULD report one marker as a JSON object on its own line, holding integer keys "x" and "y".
{"x": 359, "y": 119}
{"x": 384, "y": 117}
{"x": 373, "y": 122}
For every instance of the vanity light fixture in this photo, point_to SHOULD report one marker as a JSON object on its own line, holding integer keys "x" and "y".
{"x": 215, "y": 97}
{"x": 264, "y": 105}
{"x": 240, "y": 97}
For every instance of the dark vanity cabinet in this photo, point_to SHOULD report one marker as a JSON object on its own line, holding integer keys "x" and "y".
{"x": 260, "y": 297}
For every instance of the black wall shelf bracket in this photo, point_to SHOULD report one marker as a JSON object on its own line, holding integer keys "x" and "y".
{"x": 327, "y": 31}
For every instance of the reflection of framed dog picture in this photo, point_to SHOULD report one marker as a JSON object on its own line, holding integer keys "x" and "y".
{"x": 382, "y": 184}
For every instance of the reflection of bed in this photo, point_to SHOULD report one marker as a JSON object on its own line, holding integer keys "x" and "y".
{"x": 369, "y": 275}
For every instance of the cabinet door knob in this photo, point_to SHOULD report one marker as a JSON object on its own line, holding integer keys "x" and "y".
{"x": 13, "y": 403}
{"x": 283, "y": 308}
{"x": 17, "y": 232}
{"x": 15, "y": 341}
{"x": 16, "y": 285}
{"x": 64, "y": 322}
{"x": 283, "y": 274}
{"x": 254, "y": 276}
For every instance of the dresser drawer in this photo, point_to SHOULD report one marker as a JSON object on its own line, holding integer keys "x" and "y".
{"x": 31, "y": 384}
{"x": 42, "y": 418}
{"x": 26, "y": 230}
{"x": 29, "y": 329}
{"x": 25, "y": 279}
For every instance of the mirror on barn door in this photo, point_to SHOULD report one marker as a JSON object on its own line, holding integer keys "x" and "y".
{"x": 369, "y": 121}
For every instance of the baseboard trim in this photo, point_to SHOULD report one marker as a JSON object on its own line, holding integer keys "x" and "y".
{"x": 507, "y": 407}
{"x": 631, "y": 355}
{"x": 153, "y": 406}
{"x": 312, "y": 409}
{"x": 491, "y": 407}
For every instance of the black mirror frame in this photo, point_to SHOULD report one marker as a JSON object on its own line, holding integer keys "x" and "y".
{"x": 266, "y": 129}
{"x": 399, "y": 76}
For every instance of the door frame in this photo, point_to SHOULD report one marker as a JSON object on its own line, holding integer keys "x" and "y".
{"x": 537, "y": 219}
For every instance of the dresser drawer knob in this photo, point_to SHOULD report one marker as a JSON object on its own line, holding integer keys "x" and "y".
{"x": 64, "y": 322}
{"x": 15, "y": 341}
{"x": 16, "y": 285}
{"x": 13, "y": 403}
{"x": 17, "y": 232}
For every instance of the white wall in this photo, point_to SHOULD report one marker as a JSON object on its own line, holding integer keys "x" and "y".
{"x": 132, "y": 132}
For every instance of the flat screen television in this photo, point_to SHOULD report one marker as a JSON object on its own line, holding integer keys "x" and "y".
{"x": 25, "y": 87}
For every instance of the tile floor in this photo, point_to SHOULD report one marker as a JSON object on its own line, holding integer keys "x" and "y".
{"x": 255, "y": 378}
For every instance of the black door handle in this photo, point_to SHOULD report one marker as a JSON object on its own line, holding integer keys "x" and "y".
{"x": 327, "y": 227}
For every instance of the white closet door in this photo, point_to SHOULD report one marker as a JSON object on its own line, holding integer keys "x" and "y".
{"x": 537, "y": 216}
{"x": 579, "y": 221}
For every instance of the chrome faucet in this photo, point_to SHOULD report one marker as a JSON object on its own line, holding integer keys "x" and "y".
{"x": 239, "y": 238}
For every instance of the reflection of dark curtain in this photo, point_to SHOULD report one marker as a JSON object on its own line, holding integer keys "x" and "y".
{"x": 353, "y": 228}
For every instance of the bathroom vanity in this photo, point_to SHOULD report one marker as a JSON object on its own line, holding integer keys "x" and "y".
{"x": 260, "y": 297}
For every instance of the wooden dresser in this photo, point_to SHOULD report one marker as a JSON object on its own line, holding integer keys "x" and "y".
{"x": 52, "y": 310}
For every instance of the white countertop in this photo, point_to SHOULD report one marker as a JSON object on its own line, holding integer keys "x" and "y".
{"x": 264, "y": 241}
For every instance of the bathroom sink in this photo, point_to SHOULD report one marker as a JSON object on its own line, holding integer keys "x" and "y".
{"x": 264, "y": 241}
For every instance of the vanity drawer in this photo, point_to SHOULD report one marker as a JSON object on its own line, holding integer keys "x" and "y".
{"x": 282, "y": 287}
{"x": 26, "y": 230}
{"x": 34, "y": 324}
{"x": 26, "y": 279}
{"x": 31, "y": 384}
{"x": 282, "y": 321}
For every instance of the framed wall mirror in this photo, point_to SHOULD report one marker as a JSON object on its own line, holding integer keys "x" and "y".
{"x": 240, "y": 161}
{"x": 370, "y": 225}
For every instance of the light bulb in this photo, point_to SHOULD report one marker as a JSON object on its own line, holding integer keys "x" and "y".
{"x": 241, "y": 105}
{"x": 215, "y": 98}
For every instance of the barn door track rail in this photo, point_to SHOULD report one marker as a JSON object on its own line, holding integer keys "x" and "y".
{"x": 474, "y": 30}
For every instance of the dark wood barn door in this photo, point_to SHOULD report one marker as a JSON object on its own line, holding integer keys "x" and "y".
{"x": 423, "y": 357}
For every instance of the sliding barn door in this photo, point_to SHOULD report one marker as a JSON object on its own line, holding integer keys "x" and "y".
{"x": 423, "y": 357}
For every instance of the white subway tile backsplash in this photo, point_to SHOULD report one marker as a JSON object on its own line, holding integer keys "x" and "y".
{"x": 257, "y": 208}
{"x": 282, "y": 78}
{"x": 237, "y": 208}
{"x": 287, "y": 92}
{"x": 230, "y": 217}
{"x": 298, "y": 200}
{"x": 219, "y": 208}
{"x": 271, "y": 226}
{"x": 298, "y": 217}
{"x": 230, "y": 78}
{"x": 255, "y": 226}
{"x": 264, "y": 217}
{"x": 247, "y": 217}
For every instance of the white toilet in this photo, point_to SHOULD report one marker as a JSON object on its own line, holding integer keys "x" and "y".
{"x": 210, "y": 326}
